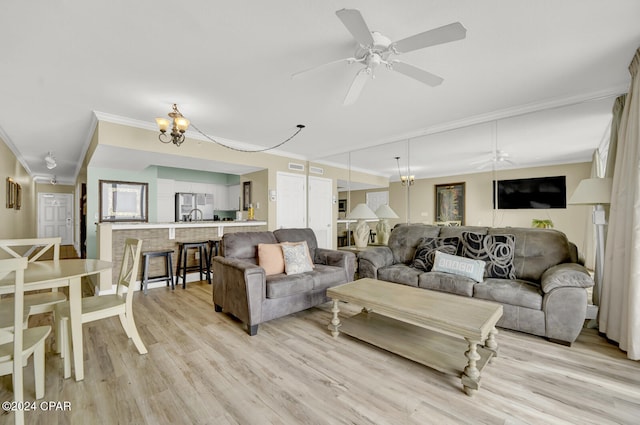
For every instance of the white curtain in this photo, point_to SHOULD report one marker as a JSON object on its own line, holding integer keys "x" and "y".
{"x": 620, "y": 303}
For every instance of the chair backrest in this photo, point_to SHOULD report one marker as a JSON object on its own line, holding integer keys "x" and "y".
{"x": 32, "y": 249}
{"x": 129, "y": 268}
{"x": 17, "y": 267}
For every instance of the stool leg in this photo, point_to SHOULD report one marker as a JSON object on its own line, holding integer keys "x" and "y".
{"x": 145, "y": 274}
{"x": 170, "y": 271}
{"x": 184, "y": 268}
{"x": 178, "y": 264}
{"x": 208, "y": 264}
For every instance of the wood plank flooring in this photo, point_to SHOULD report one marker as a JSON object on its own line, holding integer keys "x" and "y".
{"x": 202, "y": 368}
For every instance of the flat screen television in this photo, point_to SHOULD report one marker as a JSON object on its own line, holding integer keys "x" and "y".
{"x": 533, "y": 193}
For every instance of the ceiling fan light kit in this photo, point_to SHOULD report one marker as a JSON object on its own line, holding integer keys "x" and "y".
{"x": 375, "y": 49}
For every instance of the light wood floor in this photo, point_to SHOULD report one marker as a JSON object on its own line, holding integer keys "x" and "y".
{"x": 202, "y": 368}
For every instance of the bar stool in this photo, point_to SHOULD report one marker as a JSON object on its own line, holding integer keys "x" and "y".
{"x": 214, "y": 249}
{"x": 168, "y": 274}
{"x": 183, "y": 254}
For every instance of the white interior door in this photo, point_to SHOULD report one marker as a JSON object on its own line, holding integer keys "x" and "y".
{"x": 321, "y": 210}
{"x": 291, "y": 209}
{"x": 55, "y": 216}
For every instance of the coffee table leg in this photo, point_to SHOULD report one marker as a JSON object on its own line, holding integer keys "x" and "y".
{"x": 471, "y": 375}
{"x": 334, "y": 326}
{"x": 492, "y": 344}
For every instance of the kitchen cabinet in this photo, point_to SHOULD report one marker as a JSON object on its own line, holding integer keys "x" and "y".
{"x": 233, "y": 197}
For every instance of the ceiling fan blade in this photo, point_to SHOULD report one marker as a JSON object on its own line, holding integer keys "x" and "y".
{"x": 356, "y": 87}
{"x": 348, "y": 60}
{"x": 353, "y": 20}
{"x": 444, "y": 34}
{"x": 417, "y": 73}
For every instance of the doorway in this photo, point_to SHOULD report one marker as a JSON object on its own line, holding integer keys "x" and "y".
{"x": 321, "y": 210}
{"x": 55, "y": 216}
{"x": 291, "y": 209}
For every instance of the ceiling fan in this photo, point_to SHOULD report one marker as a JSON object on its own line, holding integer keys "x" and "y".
{"x": 375, "y": 49}
{"x": 497, "y": 159}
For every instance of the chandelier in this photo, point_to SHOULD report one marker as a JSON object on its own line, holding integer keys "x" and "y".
{"x": 405, "y": 180}
{"x": 179, "y": 125}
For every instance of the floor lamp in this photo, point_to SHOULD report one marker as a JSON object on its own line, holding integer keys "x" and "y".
{"x": 361, "y": 213}
{"x": 597, "y": 192}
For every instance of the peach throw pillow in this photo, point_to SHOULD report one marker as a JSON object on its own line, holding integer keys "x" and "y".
{"x": 270, "y": 258}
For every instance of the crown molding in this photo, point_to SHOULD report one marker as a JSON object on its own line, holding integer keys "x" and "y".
{"x": 7, "y": 141}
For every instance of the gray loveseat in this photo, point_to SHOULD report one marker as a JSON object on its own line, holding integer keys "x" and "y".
{"x": 242, "y": 288}
{"x": 545, "y": 295}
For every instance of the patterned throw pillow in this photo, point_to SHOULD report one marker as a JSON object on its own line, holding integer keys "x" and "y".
{"x": 461, "y": 266}
{"x": 426, "y": 251}
{"x": 296, "y": 258}
{"x": 496, "y": 250}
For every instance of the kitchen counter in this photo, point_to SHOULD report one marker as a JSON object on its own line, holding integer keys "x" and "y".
{"x": 161, "y": 236}
{"x": 186, "y": 224}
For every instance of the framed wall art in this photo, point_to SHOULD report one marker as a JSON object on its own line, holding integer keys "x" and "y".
{"x": 246, "y": 195}
{"x": 123, "y": 201}
{"x": 11, "y": 193}
{"x": 18, "y": 197}
{"x": 450, "y": 204}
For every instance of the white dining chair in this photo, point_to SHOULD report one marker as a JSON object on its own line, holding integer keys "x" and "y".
{"x": 34, "y": 249}
{"x": 101, "y": 307}
{"x": 17, "y": 347}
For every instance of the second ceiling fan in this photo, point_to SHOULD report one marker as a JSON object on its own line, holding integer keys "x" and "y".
{"x": 375, "y": 49}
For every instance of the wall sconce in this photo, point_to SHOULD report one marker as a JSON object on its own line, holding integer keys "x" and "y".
{"x": 50, "y": 160}
{"x": 405, "y": 179}
{"x": 179, "y": 126}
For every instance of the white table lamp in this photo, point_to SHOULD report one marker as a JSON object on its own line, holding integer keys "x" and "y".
{"x": 595, "y": 191}
{"x": 383, "y": 229}
{"x": 361, "y": 213}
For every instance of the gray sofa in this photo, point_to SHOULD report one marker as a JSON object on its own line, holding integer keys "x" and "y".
{"x": 547, "y": 296}
{"x": 241, "y": 287}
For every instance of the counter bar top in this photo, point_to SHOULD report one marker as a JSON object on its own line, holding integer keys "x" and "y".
{"x": 187, "y": 224}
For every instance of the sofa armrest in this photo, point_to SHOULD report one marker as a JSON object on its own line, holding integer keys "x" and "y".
{"x": 565, "y": 275}
{"x": 239, "y": 288}
{"x": 332, "y": 257}
{"x": 372, "y": 259}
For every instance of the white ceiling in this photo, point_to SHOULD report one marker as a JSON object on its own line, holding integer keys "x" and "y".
{"x": 228, "y": 66}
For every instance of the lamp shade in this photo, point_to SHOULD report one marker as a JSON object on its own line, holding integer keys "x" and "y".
{"x": 362, "y": 212}
{"x": 595, "y": 191}
{"x": 385, "y": 211}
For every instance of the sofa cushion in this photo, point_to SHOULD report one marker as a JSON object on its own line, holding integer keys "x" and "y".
{"x": 296, "y": 258}
{"x": 507, "y": 291}
{"x": 405, "y": 238}
{"x": 496, "y": 250}
{"x": 400, "y": 273}
{"x": 447, "y": 282}
{"x": 282, "y": 285}
{"x": 426, "y": 251}
{"x": 244, "y": 245}
{"x": 536, "y": 250}
{"x": 270, "y": 258}
{"x": 298, "y": 235}
{"x": 460, "y": 266}
{"x": 327, "y": 276}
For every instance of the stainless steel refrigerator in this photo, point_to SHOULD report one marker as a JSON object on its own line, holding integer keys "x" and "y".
{"x": 188, "y": 204}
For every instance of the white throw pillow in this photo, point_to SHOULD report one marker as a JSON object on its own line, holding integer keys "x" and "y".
{"x": 296, "y": 258}
{"x": 461, "y": 266}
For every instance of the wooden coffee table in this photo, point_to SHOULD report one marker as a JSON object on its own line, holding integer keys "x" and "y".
{"x": 449, "y": 333}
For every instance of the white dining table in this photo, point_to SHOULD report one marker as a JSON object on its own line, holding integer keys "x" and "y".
{"x": 56, "y": 274}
